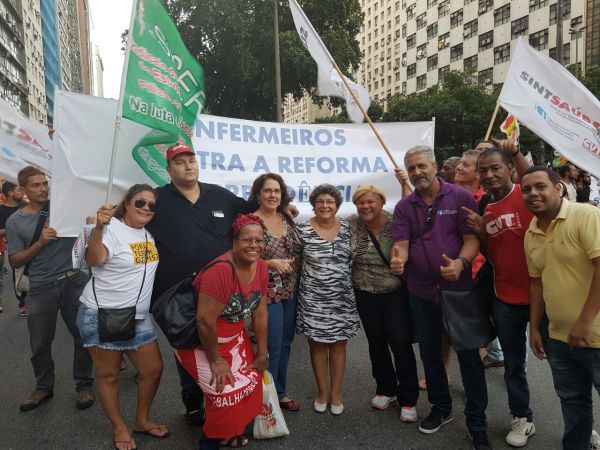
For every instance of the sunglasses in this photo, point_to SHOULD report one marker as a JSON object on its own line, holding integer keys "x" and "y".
{"x": 429, "y": 215}
{"x": 140, "y": 203}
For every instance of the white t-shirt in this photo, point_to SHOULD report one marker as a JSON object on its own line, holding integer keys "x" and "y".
{"x": 119, "y": 279}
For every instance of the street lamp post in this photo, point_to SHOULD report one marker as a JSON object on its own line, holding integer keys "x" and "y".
{"x": 277, "y": 64}
{"x": 578, "y": 34}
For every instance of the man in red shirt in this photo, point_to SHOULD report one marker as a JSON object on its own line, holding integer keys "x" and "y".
{"x": 502, "y": 232}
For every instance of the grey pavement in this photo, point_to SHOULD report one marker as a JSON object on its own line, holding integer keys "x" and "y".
{"x": 59, "y": 425}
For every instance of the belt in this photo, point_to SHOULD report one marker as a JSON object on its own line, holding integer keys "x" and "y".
{"x": 67, "y": 274}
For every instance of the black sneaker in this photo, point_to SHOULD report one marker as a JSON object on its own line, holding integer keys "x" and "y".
{"x": 480, "y": 440}
{"x": 195, "y": 417}
{"x": 434, "y": 421}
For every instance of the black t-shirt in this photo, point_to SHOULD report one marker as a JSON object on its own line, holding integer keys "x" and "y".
{"x": 188, "y": 236}
{"x": 5, "y": 213}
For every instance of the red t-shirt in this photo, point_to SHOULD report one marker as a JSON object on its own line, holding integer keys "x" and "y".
{"x": 507, "y": 221}
{"x": 240, "y": 299}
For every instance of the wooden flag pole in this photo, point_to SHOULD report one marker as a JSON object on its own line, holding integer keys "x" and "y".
{"x": 489, "y": 130}
{"x": 366, "y": 116}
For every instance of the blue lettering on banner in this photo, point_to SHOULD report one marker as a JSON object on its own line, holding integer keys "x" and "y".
{"x": 298, "y": 194}
{"x": 260, "y": 134}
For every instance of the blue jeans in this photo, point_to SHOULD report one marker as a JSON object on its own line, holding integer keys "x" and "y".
{"x": 574, "y": 371}
{"x": 282, "y": 326}
{"x": 428, "y": 324}
{"x": 511, "y": 325}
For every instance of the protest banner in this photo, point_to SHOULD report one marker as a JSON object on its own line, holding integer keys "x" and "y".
{"x": 551, "y": 102}
{"x": 230, "y": 152}
{"x": 23, "y": 142}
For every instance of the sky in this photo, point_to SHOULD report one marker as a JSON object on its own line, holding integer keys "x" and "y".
{"x": 110, "y": 18}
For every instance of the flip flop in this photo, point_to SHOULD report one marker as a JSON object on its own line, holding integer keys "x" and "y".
{"x": 156, "y": 436}
{"x": 235, "y": 442}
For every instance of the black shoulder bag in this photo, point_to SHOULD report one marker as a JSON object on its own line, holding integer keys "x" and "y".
{"x": 118, "y": 324}
{"x": 175, "y": 311}
{"x": 22, "y": 274}
{"x": 465, "y": 316}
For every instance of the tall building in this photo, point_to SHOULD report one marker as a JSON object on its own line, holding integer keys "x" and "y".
{"x": 592, "y": 32}
{"x": 409, "y": 45}
{"x": 83, "y": 13}
{"x": 34, "y": 55}
{"x": 305, "y": 110}
{"x": 98, "y": 73}
{"x": 13, "y": 84}
{"x": 50, "y": 39}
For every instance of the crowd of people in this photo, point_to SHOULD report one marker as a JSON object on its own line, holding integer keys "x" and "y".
{"x": 526, "y": 239}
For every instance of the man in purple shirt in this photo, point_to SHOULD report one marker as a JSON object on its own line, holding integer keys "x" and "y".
{"x": 434, "y": 246}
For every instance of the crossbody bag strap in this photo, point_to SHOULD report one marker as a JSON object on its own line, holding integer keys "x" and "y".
{"x": 38, "y": 231}
{"x": 377, "y": 246}
{"x": 216, "y": 261}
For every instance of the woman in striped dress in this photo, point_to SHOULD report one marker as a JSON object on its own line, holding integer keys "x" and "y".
{"x": 326, "y": 305}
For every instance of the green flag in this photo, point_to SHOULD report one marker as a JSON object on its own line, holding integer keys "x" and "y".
{"x": 164, "y": 86}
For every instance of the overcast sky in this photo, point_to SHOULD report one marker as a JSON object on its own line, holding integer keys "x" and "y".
{"x": 110, "y": 18}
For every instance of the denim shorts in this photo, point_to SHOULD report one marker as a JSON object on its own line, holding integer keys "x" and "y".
{"x": 87, "y": 322}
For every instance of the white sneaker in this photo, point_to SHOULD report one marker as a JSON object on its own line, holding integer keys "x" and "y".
{"x": 594, "y": 440}
{"x": 408, "y": 414}
{"x": 382, "y": 402}
{"x": 520, "y": 432}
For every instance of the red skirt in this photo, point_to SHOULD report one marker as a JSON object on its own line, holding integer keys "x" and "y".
{"x": 227, "y": 412}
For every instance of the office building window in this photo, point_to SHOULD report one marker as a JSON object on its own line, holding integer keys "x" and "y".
{"x": 502, "y": 15}
{"x": 456, "y": 18}
{"x": 486, "y": 77}
{"x": 432, "y": 30}
{"x": 444, "y": 8}
{"x": 470, "y": 64}
{"x": 519, "y": 27}
{"x": 444, "y": 41}
{"x": 404, "y": 30}
{"x": 539, "y": 40}
{"x": 576, "y": 22}
{"x": 411, "y": 41}
{"x": 502, "y": 54}
{"x": 410, "y": 11}
{"x": 422, "y": 82}
{"x": 456, "y": 52}
{"x": 486, "y": 40}
{"x": 432, "y": 63}
{"x": 485, "y": 6}
{"x": 404, "y": 88}
{"x": 421, "y": 21}
{"x": 537, "y": 4}
{"x": 411, "y": 71}
{"x": 442, "y": 71}
{"x": 431, "y": 3}
{"x": 470, "y": 29}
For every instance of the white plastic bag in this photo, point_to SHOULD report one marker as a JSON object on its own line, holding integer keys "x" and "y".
{"x": 270, "y": 422}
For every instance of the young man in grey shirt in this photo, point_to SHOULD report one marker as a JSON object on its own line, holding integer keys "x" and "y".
{"x": 54, "y": 286}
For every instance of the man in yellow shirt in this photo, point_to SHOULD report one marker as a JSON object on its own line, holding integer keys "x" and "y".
{"x": 562, "y": 246}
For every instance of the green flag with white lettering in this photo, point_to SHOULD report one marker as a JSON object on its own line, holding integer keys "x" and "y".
{"x": 164, "y": 86}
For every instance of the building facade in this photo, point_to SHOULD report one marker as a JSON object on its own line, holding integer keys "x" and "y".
{"x": 34, "y": 55}
{"x": 13, "y": 79}
{"x": 305, "y": 110}
{"x": 50, "y": 39}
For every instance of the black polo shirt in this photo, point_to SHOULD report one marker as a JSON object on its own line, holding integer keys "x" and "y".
{"x": 190, "y": 235}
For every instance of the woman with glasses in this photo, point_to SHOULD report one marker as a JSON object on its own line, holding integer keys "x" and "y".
{"x": 270, "y": 193}
{"x": 326, "y": 305}
{"x": 231, "y": 288}
{"x": 123, "y": 260}
{"x": 382, "y": 302}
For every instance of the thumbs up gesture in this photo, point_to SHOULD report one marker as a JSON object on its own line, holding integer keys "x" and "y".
{"x": 451, "y": 269}
{"x": 397, "y": 261}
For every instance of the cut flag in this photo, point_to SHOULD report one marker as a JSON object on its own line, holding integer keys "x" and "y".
{"x": 329, "y": 81}
{"x": 510, "y": 127}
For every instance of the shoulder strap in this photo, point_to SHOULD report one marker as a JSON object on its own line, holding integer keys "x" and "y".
{"x": 38, "y": 231}
{"x": 217, "y": 261}
{"x": 377, "y": 246}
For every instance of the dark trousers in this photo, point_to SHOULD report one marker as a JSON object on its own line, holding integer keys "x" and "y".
{"x": 282, "y": 327}
{"x": 191, "y": 394}
{"x": 43, "y": 305}
{"x": 511, "y": 325}
{"x": 388, "y": 325}
{"x": 574, "y": 371}
{"x": 428, "y": 324}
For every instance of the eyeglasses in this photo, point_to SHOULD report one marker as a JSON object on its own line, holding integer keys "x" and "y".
{"x": 429, "y": 215}
{"x": 325, "y": 202}
{"x": 249, "y": 241}
{"x": 140, "y": 203}
{"x": 270, "y": 191}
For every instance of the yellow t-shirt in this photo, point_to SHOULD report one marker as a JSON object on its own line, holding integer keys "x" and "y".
{"x": 561, "y": 257}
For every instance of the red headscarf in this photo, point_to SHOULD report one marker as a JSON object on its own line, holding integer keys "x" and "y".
{"x": 243, "y": 220}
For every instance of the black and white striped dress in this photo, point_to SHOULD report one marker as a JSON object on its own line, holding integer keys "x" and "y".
{"x": 326, "y": 302}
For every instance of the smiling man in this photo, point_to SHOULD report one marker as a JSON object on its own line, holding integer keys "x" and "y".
{"x": 435, "y": 246}
{"x": 562, "y": 246}
{"x": 54, "y": 286}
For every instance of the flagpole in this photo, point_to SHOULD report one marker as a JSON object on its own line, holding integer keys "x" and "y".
{"x": 362, "y": 109}
{"x": 489, "y": 130}
{"x": 111, "y": 172}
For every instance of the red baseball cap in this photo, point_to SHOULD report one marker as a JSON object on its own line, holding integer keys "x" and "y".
{"x": 178, "y": 149}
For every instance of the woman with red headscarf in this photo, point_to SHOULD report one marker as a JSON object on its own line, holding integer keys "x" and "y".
{"x": 231, "y": 288}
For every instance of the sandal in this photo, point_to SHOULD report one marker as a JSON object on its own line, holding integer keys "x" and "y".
{"x": 148, "y": 432}
{"x": 235, "y": 442}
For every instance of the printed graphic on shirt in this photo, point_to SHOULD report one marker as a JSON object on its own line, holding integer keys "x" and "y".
{"x": 138, "y": 249}
{"x": 503, "y": 223}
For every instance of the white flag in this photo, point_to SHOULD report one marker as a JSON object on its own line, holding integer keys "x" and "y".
{"x": 329, "y": 81}
{"x": 551, "y": 102}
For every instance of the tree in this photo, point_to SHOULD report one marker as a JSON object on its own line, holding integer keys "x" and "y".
{"x": 375, "y": 113}
{"x": 233, "y": 40}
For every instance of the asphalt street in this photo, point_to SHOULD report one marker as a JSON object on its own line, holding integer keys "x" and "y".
{"x": 59, "y": 425}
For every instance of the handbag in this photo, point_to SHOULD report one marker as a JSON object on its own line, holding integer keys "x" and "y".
{"x": 22, "y": 273}
{"x": 466, "y": 317}
{"x": 174, "y": 311}
{"x": 270, "y": 422}
{"x": 118, "y": 324}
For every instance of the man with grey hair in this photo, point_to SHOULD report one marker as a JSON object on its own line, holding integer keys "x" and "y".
{"x": 449, "y": 169}
{"x": 433, "y": 242}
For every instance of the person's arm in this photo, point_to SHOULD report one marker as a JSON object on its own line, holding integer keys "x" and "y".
{"x": 21, "y": 258}
{"x": 96, "y": 253}
{"x": 398, "y": 257}
{"x": 521, "y": 163}
{"x": 402, "y": 178}
{"x": 452, "y": 268}
{"x": 2, "y": 233}
{"x": 580, "y": 331}
{"x": 260, "y": 325}
{"x": 281, "y": 266}
{"x": 476, "y": 224}
{"x": 209, "y": 309}
{"x": 537, "y": 309}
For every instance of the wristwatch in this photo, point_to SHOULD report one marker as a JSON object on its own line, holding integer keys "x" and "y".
{"x": 264, "y": 357}
{"x": 465, "y": 261}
